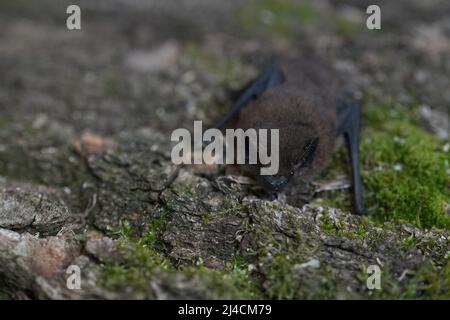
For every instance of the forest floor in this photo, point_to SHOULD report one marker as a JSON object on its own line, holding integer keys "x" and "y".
{"x": 85, "y": 172}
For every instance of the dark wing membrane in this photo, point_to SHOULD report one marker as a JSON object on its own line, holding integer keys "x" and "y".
{"x": 271, "y": 77}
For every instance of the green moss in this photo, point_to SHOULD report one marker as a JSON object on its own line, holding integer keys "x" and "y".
{"x": 151, "y": 237}
{"x": 227, "y": 71}
{"x": 410, "y": 241}
{"x": 335, "y": 199}
{"x": 236, "y": 281}
{"x": 361, "y": 231}
{"x": 427, "y": 282}
{"x": 327, "y": 224}
{"x": 124, "y": 230}
{"x": 348, "y": 28}
{"x": 140, "y": 259}
{"x": 280, "y": 277}
{"x": 282, "y": 260}
{"x": 287, "y": 279}
{"x": 403, "y": 168}
{"x": 430, "y": 284}
{"x": 143, "y": 263}
{"x": 114, "y": 86}
{"x": 137, "y": 270}
{"x": 288, "y": 18}
{"x": 231, "y": 208}
{"x": 5, "y": 295}
{"x": 281, "y": 17}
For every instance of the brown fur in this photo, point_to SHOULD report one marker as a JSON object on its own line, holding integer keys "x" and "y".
{"x": 302, "y": 108}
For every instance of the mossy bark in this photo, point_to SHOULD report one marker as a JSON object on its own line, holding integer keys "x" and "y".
{"x": 85, "y": 158}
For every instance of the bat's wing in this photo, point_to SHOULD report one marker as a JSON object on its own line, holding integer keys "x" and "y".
{"x": 348, "y": 124}
{"x": 271, "y": 77}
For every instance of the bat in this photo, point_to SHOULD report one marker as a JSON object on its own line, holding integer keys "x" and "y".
{"x": 309, "y": 103}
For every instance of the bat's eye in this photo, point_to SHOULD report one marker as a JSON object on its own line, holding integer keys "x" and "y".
{"x": 309, "y": 151}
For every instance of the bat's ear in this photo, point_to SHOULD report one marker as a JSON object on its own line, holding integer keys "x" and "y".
{"x": 309, "y": 151}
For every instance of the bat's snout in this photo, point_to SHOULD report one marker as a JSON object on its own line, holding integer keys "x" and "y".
{"x": 274, "y": 183}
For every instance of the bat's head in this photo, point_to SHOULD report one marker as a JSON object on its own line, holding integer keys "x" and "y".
{"x": 306, "y": 136}
{"x": 294, "y": 161}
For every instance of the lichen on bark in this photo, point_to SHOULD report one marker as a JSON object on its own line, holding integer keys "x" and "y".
{"x": 86, "y": 177}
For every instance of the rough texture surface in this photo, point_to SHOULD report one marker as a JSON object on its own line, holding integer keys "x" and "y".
{"x": 86, "y": 177}
{"x": 37, "y": 210}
